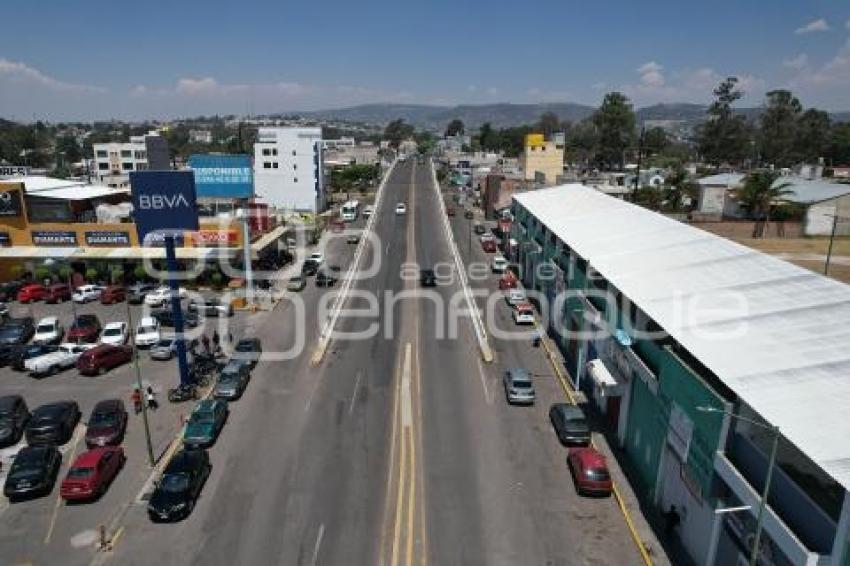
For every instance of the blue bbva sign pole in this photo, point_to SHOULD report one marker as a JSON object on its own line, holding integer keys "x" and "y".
{"x": 164, "y": 203}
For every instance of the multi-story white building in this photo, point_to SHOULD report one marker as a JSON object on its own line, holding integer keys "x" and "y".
{"x": 288, "y": 168}
{"x": 113, "y": 161}
{"x": 200, "y": 136}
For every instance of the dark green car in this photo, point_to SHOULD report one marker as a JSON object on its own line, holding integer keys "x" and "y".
{"x": 205, "y": 424}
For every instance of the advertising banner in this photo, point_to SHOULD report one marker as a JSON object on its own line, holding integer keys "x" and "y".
{"x": 10, "y": 201}
{"x": 214, "y": 237}
{"x": 223, "y": 176}
{"x": 163, "y": 201}
{"x": 107, "y": 238}
{"x": 54, "y": 238}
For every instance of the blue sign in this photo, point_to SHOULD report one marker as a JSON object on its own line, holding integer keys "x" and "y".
{"x": 223, "y": 176}
{"x": 163, "y": 201}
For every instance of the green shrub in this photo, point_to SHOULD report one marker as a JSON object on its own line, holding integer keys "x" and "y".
{"x": 92, "y": 274}
{"x": 41, "y": 273}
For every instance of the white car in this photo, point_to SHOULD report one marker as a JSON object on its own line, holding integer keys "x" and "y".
{"x": 147, "y": 332}
{"x": 401, "y": 209}
{"x": 487, "y": 238}
{"x": 161, "y": 296}
{"x": 367, "y": 212}
{"x": 87, "y": 293}
{"x": 63, "y": 358}
{"x": 499, "y": 264}
{"x": 317, "y": 257}
{"x": 115, "y": 334}
{"x": 48, "y": 331}
{"x": 523, "y": 314}
{"x": 515, "y": 297}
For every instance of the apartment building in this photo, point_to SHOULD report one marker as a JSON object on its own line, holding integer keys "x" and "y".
{"x": 113, "y": 161}
{"x": 542, "y": 160}
{"x": 288, "y": 168}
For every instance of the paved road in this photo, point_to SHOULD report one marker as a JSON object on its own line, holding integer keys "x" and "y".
{"x": 395, "y": 449}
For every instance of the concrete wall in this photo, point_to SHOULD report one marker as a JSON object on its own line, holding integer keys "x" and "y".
{"x": 819, "y": 217}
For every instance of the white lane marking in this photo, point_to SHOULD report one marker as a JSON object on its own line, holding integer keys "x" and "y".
{"x": 354, "y": 394}
{"x": 318, "y": 544}
{"x": 312, "y": 394}
{"x": 387, "y": 249}
{"x": 406, "y": 399}
{"x": 487, "y": 396}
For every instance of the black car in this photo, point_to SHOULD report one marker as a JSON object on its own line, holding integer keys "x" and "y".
{"x": 136, "y": 293}
{"x": 23, "y": 353}
{"x": 166, "y": 318}
{"x": 428, "y": 278}
{"x": 14, "y": 417}
{"x": 479, "y": 229}
{"x": 248, "y": 349}
{"x": 33, "y": 472}
{"x": 17, "y": 331}
{"x": 9, "y": 290}
{"x": 325, "y": 278}
{"x": 8, "y": 354}
{"x": 570, "y": 424}
{"x": 179, "y": 486}
{"x": 53, "y": 423}
{"x": 309, "y": 267}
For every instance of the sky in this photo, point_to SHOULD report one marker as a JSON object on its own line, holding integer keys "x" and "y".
{"x": 98, "y": 59}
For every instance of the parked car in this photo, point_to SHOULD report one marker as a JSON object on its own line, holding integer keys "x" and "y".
{"x": 115, "y": 333}
{"x": 523, "y": 313}
{"x": 14, "y": 416}
{"x": 508, "y": 281}
{"x": 107, "y": 423}
{"x": 20, "y": 354}
{"x": 296, "y": 283}
{"x": 16, "y": 331}
{"x": 166, "y": 348}
{"x": 58, "y": 293}
{"x": 211, "y": 307}
{"x": 570, "y": 424}
{"x": 400, "y": 209}
{"x": 33, "y": 472}
{"x": 48, "y": 331}
{"x": 63, "y": 358}
{"x": 103, "y": 358}
{"x": 479, "y": 228}
{"x": 489, "y": 246}
{"x": 91, "y": 474}
{"x": 590, "y": 471}
{"x": 161, "y": 296}
{"x": 450, "y": 211}
{"x": 368, "y": 211}
{"x": 519, "y": 388}
{"x": 232, "y": 380}
{"x": 325, "y": 278}
{"x": 352, "y": 239}
{"x": 53, "y": 423}
{"x": 179, "y": 486}
{"x": 205, "y": 423}
{"x": 515, "y": 297}
{"x": 9, "y": 290}
{"x": 309, "y": 267}
{"x": 468, "y": 214}
{"x": 427, "y": 278}
{"x": 147, "y": 332}
{"x": 136, "y": 293}
{"x": 85, "y": 328}
{"x": 31, "y": 293}
{"x": 8, "y": 354}
{"x": 249, "y": 349}
{"x": 87, "y": 293}
{"x": 113, "y": 294}
{"x": 166, "y": 318}
{"x": 499, "y": 264}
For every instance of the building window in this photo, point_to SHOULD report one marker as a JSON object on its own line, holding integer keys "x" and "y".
{"x": 274, "y": 151}
{"x": 293, "y": 153}
{"x": 267, "y": 151}
{"x": 295, "y": 180}
{"x": 126, "y": 153}
{"x": 295, "y": 167}
{"x": 103, "y": 166}
{"x": 274, "y": 165}
{"x": 127, "y": 166}
{"x": 101, "y": 153}
{"x": 141, "y": 155}
{"x": 267, "y": 165}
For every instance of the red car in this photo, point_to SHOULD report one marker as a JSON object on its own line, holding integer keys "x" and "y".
{"x": 450, "y": 211}
{"x": 85, "y": 328}
{"x": 113, "y": 294}
{"x": 590, "y": 472}
{"x": 31, "y": 292}
{"x": 103, "y": 358}
{"x": 507, "y": 281}
{"x": 489, "y": 246}
{"x": 91, "y": 473}
{"x": 58, "y": 293}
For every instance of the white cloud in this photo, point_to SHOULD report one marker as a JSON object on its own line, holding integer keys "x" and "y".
{"x": 651, "y": 74}
{"x": 493, "y": 91}
{"x": 686, "y": 85}
{"x": 813, "y": 27}
{"x": 208, "y": 86}
{"x": 847, "y": 24}
{"x": 22, "y": 74}
{"x": 797, "y": 62}
{"x": 834, "y": 72}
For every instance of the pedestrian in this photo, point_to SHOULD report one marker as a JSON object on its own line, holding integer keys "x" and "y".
{"x": 671, "y": 521}
{"x": 151, "y": 399}
{"x": 205, "y": 340}
{"x": 536, "y": 339}
{"x": 136, "y": 398}
{"x": 216, "y": 340}
{"x": 230, "y": 337}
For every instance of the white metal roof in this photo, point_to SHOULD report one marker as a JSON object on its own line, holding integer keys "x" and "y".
{"x": 809, "y": 191}
{"x": 35, "y": 183}
{"x": 79, "y": 192}
{"x": 722, "y": 179}
{"x": 773, "y": 332}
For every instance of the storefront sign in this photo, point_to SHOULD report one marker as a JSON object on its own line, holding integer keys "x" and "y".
{"x": 214, "y": 237}
{"x": 157, "y": 240}
{"x": 10, "y": 202}
{"x": 13, "y": 170}
{"x": 163, "y": 201}
{"x": 5, "y": 240}
{"x": 54, "y": 238}
{"x": 107, "y": 238}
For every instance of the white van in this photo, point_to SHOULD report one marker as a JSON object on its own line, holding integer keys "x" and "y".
{"x": 499, "y": 264}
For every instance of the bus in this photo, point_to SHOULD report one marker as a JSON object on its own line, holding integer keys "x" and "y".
{"x": 350, "y": 210}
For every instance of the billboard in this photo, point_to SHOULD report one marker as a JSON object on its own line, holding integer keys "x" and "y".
{"x": 223, "y": 176}
{"x": 163, "y": 201}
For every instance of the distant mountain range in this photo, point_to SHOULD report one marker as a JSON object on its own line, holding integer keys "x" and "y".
{"x": 506, "y": 115}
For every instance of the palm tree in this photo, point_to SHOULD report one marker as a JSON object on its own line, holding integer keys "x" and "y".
{"x": 759, "y": 194}
{"x": 678, "y": 186}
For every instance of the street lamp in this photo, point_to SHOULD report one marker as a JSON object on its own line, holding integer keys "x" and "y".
{"x": 771, "y": 463}
{"x": 835, "y": 219}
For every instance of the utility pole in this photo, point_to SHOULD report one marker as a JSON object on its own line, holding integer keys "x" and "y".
{"x": 639, "y": 163}
{"x": 139, "y": 386}
{"x": 754, "y": 553}
{"x": 835, "y": 219}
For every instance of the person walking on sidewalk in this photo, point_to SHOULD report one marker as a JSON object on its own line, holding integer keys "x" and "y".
{"x": 151, "y": 399}
{"x": 216, "y": 341}
{"x": 136, "y": 398}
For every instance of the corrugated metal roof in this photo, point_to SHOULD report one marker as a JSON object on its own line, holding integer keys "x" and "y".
{"x": 774, "y": 333}
{"x": 807, "y": 192}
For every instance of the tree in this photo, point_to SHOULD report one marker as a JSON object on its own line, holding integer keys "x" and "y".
{"x": 455, "y": 128}
{"x": 582, "y": 141}
{"x": 649, "y": 197}
{"x": 68, "y": 150}
{"x": 397, "y": 131}
{"x": 811, "y": 139}
{"x": 548, "y": 124}
{"x": 779, "y": 128}
{"x": 759, "y": 194}
{"x": 487, "y": 137}
{"x": 725, "y": 136}
{"x": 677, "y": 186}
{"x": 425, "y": 142}
{"x": 615, "y": 123}
{"x": 655, "y": 141}
{"x": 839, "y": 144}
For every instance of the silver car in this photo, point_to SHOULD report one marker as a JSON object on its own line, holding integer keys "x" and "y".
{"x": 519, "y": 389}
{"x": 166, "y": 348}
{"x": 232, "y": 380}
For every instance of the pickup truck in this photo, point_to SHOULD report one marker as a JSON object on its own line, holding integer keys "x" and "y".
{"x": 65, "y": 357}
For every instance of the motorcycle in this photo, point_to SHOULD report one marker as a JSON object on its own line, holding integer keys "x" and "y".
{"x": 182, "y": 393}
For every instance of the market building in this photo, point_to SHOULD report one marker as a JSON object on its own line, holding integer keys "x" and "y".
{"x": 697, "y": 353}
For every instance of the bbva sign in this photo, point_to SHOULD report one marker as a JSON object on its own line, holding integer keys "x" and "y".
{"x": 163, "y": 201}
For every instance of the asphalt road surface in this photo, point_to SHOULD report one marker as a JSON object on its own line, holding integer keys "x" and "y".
{"x": 397, "y": 448}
